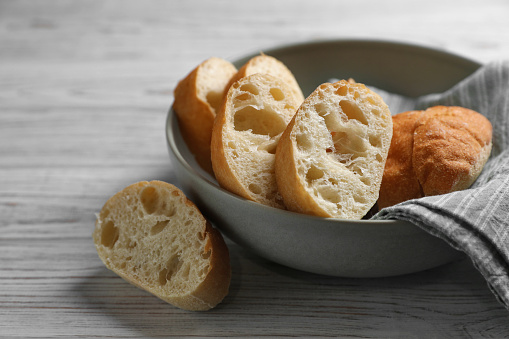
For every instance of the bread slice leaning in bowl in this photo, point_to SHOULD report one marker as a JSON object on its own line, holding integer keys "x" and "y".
{"x": 267, "y": 64}
{"x": 151, "y": 235}
{"x": 331, "y": 157}
{"x": 197, "y": 99}
{"x": 246, "y": 131}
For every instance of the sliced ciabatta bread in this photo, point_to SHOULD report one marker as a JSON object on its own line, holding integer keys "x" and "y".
{"x": 269, "y": 65}
{"x": 445, "y": 149}
{"x": 245, "y": 135}
{"x": 331, "y": 157}
{"x": 151, "y": 235}
{"x": 197, "y": 98}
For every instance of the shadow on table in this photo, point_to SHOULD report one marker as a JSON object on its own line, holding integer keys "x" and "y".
{"x": 267, "y": 299}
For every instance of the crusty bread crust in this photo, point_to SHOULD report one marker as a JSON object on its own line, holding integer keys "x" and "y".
{"x": 330, "y": 159}
{"x": 444, "y": 152}
{"x": 246, "y": 131}
{"x": 151, "y": 235}
{"x": 268, "y": 65}
{"x": 399, "y": 182}
{"x": 197, "y": 98}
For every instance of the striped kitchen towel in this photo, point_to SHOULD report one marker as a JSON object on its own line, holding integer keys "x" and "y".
{"x": 474, "y": 221}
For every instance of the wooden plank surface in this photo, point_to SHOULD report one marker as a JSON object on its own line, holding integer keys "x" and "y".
{"x": 84, "y": 92}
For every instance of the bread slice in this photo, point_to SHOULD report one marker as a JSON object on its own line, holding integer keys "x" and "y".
{"x": 330, "y": 159}
{"x": 245, "y": 135}
{"x": 446, "y": 148}
{"x": 269, "y": 65}
{"x": 151, "y": 235}
{"x": 197, "y": 98}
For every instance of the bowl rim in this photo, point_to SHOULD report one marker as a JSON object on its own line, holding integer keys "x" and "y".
{"x": 431, "y": 50}
{"x": 171, "y": 120}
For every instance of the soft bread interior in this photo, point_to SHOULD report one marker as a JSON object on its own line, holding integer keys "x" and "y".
{"x": 152, "y": 236}
{"x": 341, "y": 135}
{"x": 257, "y": 111}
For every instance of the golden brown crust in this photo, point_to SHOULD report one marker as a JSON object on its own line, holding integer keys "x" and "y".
{"x": 444, "y": 152}
{"x": 195, "y": 114}
{"x": 126, "y": 244}
{"x": 222, "y": 170}
{"x": 288, "y": 179}
{"x": 448, "y": 144}
{"x": 399, "y": 182}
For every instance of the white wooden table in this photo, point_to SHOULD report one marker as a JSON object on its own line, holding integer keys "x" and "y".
{"x": 84, "y": 92}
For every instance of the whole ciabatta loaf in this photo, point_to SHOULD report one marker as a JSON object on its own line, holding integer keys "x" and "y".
{"x": 269, "y": 65}
{"x": 331, "y": 157}
{"x": 151, "y": 235}
{"x": 436, "y": 151}
{"x": 197, "y": 98}
{"x": 245, "y": 135}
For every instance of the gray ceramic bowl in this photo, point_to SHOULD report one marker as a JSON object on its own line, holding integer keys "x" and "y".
{"x": 334, "y": 247}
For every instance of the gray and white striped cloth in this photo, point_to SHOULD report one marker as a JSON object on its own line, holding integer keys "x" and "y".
{"x": 476, "y": 220}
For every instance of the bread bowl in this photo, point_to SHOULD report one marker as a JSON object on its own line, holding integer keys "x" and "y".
{"x": 346, "y": 248}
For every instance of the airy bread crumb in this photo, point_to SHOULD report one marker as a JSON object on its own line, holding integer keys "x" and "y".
{"x": 246, "y": 132}
{"x": 330, "y": 159}
{"x": 151, "y": 235}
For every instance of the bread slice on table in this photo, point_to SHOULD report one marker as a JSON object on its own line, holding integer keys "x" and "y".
{"x": 269, "y": 65}
{"x": 247, "y": 129}
{"x": 331, "y": 157}
{"x": 196, "y": 100}
{"x": 446, "y": 151}
{"x": 151, "y": 235}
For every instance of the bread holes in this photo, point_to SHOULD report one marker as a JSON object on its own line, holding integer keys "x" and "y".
{"x": 109, "y": 234}
{"x": 342, "y": 91}
{"x": 169, "y": 270}
{"x": 249, "y": 88}
{"x": 206, "y": 254}
{"x": 104, "y": 213}
{"x": 184, "y": 271}
{"x": 314, "y": 173}
{"x": 303, "y": 141}
{"x": 149, "y": 198}
{"x": 277, "y": 94}
{"x": 333, "y": 181}
{"x": 262, "y": 122}
{"x": 353, "y": 111}
{"x": 254, "y": 188}
{"x": 329, "y": 194}
{"x": 375, "y": 141}
{"x": 269, "y": 147}
{"x": 376, "y": 112}
{"x": 201, "y": 236}
{"x": 159, "y": 227}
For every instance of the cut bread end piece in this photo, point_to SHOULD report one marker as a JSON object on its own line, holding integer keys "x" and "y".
{"x": 435, "y": 151}
{"x": 151, "y": 235}
{"x": 246, "y": 131}
{"x": 197, "y": 98}
{"x": 330, "y": 159}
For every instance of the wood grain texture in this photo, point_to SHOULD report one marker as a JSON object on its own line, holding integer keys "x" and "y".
{"x": 84, "y": 91}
